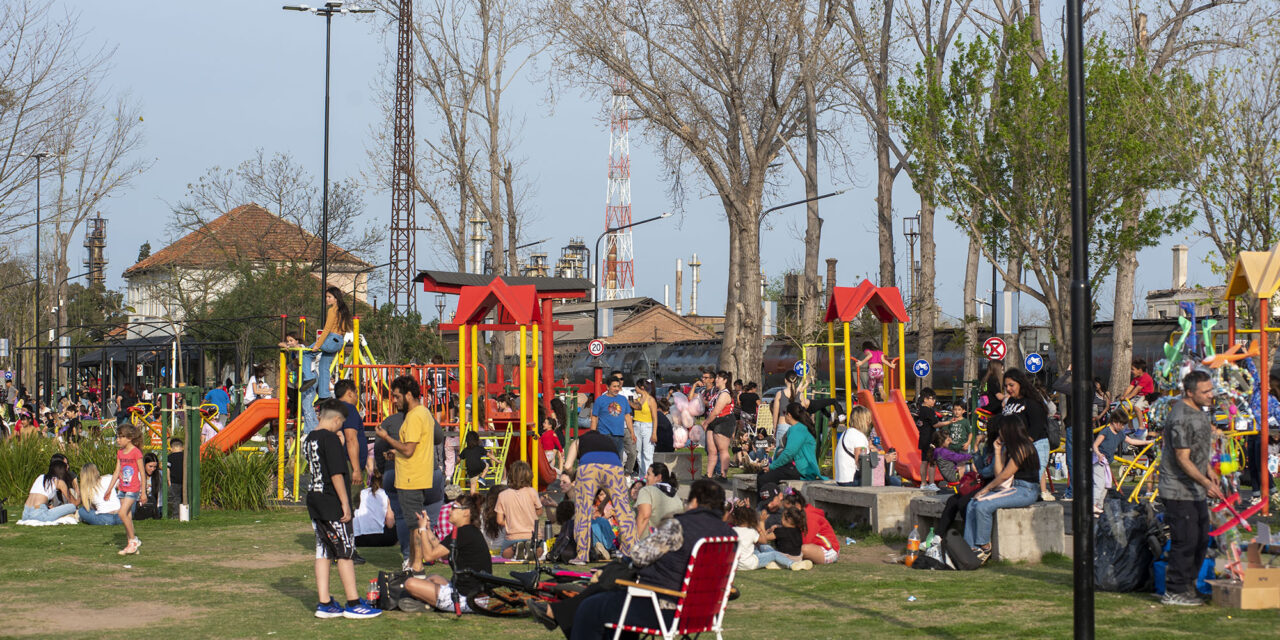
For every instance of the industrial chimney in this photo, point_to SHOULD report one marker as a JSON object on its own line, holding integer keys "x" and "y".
{"x": 679, "y": 275}
{"x": 694, "y": 265}
{"x": 1179, "y": 266}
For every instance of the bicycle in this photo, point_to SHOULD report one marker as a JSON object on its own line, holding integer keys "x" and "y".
{"x": 510, "y": 597}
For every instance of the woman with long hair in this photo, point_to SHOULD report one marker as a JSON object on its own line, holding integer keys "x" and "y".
{"x": 657, "y": 499}
{"x": 797, "y": 459}
{"x": 1017, "y": 465}
{"x": 853, "y": 443}
{"x": 792, "y": 391}
{"x": 93, "y": 508}
{"x": 644, "y": 423}
{"x": 720, "y": 427}
{"x": 991, "y": 389}
{"x": 52, "y": 495}
{"x": 1024, "y": 400}
{"x": 316, "y": 362}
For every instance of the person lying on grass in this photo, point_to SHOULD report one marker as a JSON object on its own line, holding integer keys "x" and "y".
{"x": 469, "y": 552}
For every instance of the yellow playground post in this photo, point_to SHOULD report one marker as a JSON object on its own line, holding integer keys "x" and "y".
{"x": 476, "y": 391}
{"x": 462, "y": 384}
{"x": 283, "y": 413}
{"x": 524, "y": 395}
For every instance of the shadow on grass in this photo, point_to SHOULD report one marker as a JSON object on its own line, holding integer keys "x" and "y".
{"x": 294, "y": 588}
{"x": 306, "y": 540}
{"x": 908, "y": 626}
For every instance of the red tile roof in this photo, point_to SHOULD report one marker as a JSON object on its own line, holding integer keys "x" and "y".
{"x": 247, "y": 232}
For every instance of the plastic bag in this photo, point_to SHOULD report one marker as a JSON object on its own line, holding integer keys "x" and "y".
{"x": 1122, "y": 558}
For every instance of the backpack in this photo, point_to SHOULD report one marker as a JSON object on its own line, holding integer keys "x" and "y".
{"x": 565, "y": 548}
{"x": 958, "y": 551}
{"x": 1057, "y": 433}
{"x": 969, "y": 483}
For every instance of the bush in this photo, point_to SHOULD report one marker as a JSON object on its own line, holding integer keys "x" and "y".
{"x": 239, "y": 481}
{"x": 22, "y": 459}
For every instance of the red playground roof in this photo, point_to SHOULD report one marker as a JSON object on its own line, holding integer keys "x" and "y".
{"x": 847, "y": 302}
{"x": 515, "y": 305}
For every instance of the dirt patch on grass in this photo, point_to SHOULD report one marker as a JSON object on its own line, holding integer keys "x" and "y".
{"x": 75, "y": 618}
{"x": 259, "y": 561}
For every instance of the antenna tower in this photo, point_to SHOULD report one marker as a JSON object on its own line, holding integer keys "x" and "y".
{"x": 400, "y": 290}
{"x": 95, "y": 244}
{"x": 619, "y": 260}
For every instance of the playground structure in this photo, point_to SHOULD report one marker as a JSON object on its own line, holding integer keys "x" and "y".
{"x": 892, "y": 419}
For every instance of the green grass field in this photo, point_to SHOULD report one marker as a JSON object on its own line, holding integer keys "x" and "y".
{"x": 249, "y": 575}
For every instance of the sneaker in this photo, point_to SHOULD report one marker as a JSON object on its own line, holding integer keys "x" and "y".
{"x": 130, "y": 548}
{"x": 328, "y": 610}
{"x": 773, "y": 565}
{"x": 358, "y": 559}
{"x": 360, "y": 611}
{"x": 601, "y": 551}
{"x": 983, "y": 555}
{"x": 520, "y": 551}
{"x": 410, "y": 604}
{"x": 1045, "y": 496}
{"x": 136, "y": 541}
{"x": 578, "y": 563}
{"x": 540, "y": 610}
{"x": 803, "y": 565}
{"x": 929, "y": 487}
{"x": 1181, "y": 600}
{"x": 407, "y": 565}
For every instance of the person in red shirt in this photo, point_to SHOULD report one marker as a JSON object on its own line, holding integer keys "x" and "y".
{"x": 129, "y": 483}
{"x": 821, "y": 545}
{"x": 1140, "y": 385}
{"x": 550, "y": 443}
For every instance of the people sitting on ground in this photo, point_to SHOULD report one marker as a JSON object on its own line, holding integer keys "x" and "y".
{"x": 852, "y": 446}
{"x": 148, "y": 507}
{"x": 604, "y": 519}
{"x": 798, "y": 458}
{"x": 53, "y": 494}
{"x": 1017, "y": 466}
{"x": 599, "y": 466}
{"x": 947, "y": 460}
{"x": 563, "y": 549}
{"x": 770, "y": 505}
{"x": 517, "y": 511}
{"x": 470, "y": 554}
{"x": 97, "y": 505}
{"x": 657, "y": 500}
{"x": 374, "y": 522}
{"x": 475, "y": 461}
{"x": 756, "y": 452}
{"x": 752, "y": 552}
{"x": 788, "y": 537}
{"x": 1105, "y": 446}
{"x": 660, "y": 561}
{"x": 821, "y": 545}
{"x": 489, "y": 516}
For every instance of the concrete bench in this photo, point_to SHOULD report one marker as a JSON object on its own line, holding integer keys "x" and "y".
{"x": 744, "y": 486}
{"x": 1024, "y": 534}
{"x": 884, "y": 509}
{"x": 685, "y": 465}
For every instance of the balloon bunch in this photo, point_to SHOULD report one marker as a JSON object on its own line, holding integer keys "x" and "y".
{"x": 683, "y": 411}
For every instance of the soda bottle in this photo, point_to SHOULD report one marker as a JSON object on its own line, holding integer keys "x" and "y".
{"x": 372, "y": 596}
{"x": 929, "y": 540}
{"x": 913, "y": 545}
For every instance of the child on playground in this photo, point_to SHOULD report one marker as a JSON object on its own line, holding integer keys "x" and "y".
{"x": 475, "y": 460}
{"x": 550, "y": 443}
{"x": 128, "y": 482}
{"x": 330, "y": 509}
{"x": 746, "y": 523}
{"x": 1104, "y": 454}
{"x": 947, "y": 460}
{"x": 873, "y": 359}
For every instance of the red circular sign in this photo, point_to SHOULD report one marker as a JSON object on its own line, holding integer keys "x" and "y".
{"x": 595, "y": 347}
{"x": 994, "y": 348}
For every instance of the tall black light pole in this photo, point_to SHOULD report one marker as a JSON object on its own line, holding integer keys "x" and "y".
{"x": 39, "y": 309}
{"x": 328, "y": 10}
{"x": 1081, "y": 341}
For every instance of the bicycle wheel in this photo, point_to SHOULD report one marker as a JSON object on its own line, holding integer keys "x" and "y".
{"x": 500, "y": 602}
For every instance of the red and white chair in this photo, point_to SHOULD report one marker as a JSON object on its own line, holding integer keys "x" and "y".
{"x": 700, "y": 605}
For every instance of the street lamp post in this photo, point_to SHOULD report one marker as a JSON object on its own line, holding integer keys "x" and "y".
{"x": 595, "y": 284}
{"x": 38, "y": 308}
{"x": 792, "y": 204}
{"x": 328, "y": 10}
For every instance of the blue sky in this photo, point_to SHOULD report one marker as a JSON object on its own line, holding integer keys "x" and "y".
{"x": 218, "y": 80}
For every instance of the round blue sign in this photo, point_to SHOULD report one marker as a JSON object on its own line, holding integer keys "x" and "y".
{"x": 1034, "y": 362}
{"x": 921, "y": 368}
{"x": 8, "y": 375}
{"x": 799, "y": 368}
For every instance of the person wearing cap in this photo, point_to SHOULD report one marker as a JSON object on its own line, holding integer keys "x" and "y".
{"x": 770, "y": 505}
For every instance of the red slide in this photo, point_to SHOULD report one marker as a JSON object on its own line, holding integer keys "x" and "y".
{"x": 245, "y": 425}
{"x": 546, "y": 474}
{"x": 897, "y": 429}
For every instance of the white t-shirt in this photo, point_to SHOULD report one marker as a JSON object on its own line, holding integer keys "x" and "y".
{"x": 746, "y": 547}
{"x": 50, "y": 491}
{"x": 371, "y": 516}
{"x": 249, "y": 395}
{"x": 846, "y": 464}
{"x": 111, "y": 504}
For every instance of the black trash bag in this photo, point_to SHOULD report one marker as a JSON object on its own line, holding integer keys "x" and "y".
{"x": 1122, "y": 557}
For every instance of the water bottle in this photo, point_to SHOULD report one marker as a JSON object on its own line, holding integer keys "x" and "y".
{"x": 913, "y": 546}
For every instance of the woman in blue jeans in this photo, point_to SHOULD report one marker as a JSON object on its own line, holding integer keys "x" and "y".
{"x": 327, "y": 345}
{"x": 1017, "y": 466}
{"x": 93, "y": 509}
{"x": 51, "y": 496}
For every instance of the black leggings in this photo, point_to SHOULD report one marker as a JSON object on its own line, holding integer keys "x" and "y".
{"x": 387, "y": 538}
{"x": 785, "y": 472}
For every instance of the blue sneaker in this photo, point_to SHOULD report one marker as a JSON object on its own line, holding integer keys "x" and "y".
{"x": 329, "y": 610}
{"x": 361, "y": 611}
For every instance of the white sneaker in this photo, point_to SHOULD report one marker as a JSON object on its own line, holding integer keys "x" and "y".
{"x": 1045, "y": 496}
{"x": 929, "y": 487}
{"x": 803, "y": 565}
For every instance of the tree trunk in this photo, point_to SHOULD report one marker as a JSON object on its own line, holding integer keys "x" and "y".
{"x": 811, "y": 305}
{"x": 1122, "y": 314}
{"x": 742, "y": 352}
{"x": 971, "y": 310}
{"x": 513, "y": 222}
{"x": 464, "y": 240}
{"x": 884, "y": 211}
{"x": 926, "y": 304}
{"x": 1013, "y": 354}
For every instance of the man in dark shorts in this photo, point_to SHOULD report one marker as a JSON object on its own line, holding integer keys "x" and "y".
{"x": 330, "y": 511}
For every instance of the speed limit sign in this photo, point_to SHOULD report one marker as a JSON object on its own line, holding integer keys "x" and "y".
{"x": 595, "y": 348}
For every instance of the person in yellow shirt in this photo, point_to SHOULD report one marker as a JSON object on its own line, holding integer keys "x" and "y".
{"x": 414, "y": 451}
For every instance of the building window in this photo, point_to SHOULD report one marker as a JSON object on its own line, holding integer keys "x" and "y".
{"x": 1163, "y": 314}
{"x": 1213, "y": 311}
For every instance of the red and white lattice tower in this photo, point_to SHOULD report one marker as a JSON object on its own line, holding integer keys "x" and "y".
{"x": 400, "y": 290}
{"x": 619, "y": 260}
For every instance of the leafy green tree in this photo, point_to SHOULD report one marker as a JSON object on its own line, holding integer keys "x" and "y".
{"x": 92, "y": 311}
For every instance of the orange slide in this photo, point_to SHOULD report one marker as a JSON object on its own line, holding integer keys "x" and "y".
{"x": 245, "y": 425}
{"x": 897, "y": 429}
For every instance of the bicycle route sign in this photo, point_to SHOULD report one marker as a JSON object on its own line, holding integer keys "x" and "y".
{"x": 994, "y": 348}
{"x": 595, "y": 348}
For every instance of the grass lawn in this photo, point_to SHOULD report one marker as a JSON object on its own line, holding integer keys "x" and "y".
{"x": 238, "y": 575}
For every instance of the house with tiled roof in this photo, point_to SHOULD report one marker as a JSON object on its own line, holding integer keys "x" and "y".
{"x": 198, "y": 267}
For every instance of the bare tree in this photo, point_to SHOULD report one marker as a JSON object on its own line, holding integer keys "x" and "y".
{"x": 718, "y": 86}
